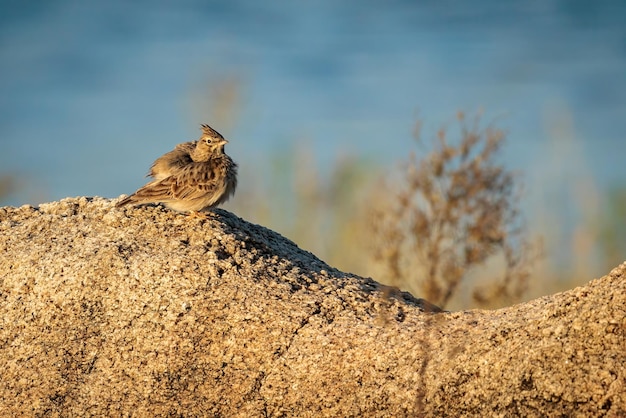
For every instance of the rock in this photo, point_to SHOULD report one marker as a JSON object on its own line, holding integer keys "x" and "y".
{"x": 148, "y": 312}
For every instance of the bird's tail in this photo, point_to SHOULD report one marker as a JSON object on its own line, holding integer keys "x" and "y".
{"x": 127, "y": 200}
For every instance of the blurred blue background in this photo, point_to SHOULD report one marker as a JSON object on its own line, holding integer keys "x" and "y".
{"x": 92, "y": 92}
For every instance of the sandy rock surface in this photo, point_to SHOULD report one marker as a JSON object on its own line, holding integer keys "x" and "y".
{"x": 147, "y": 312}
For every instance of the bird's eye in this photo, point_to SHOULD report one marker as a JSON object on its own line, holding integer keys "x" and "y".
{"x": 208, "y": 140}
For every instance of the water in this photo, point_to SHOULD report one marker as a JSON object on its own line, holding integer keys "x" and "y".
{"x": 92, "y": 92}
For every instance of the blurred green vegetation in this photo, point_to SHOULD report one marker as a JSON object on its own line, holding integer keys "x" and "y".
{"x": 7, "y": 186}
{"x": 612, "y": 227}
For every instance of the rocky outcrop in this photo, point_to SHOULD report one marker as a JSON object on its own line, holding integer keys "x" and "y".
{"x": 147, "y": 312}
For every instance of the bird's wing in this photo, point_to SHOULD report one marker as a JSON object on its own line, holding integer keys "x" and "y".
{"x": 153, "y": 192}
{"x": 171, "y": 161}
{"x": 194, "y": 181}
{"x": 186, "y": 146}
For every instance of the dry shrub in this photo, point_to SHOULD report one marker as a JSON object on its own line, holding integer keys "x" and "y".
{"x": 450, "y": 212}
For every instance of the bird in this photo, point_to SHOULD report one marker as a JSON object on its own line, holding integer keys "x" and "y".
{"x": 193, "y": 177}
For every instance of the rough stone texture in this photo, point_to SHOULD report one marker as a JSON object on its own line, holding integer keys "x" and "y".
{"x": 146, "y": 312}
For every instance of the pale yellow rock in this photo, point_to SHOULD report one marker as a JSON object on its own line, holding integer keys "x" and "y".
{"x": 147, "y": 312}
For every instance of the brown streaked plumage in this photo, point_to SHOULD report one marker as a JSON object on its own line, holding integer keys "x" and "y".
{"x": 168, "y": 163}
{"x": 194, "y": 176}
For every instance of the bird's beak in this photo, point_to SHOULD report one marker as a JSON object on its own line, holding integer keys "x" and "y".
{"x": 224, "y": 141}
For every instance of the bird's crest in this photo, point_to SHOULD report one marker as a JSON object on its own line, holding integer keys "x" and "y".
{"x": 208, "y": 131}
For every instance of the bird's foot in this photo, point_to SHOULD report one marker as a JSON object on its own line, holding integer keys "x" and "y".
{"x": 194, "y": 214}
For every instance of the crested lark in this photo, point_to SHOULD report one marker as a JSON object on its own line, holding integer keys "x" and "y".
{"x": 194, "y": 176}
